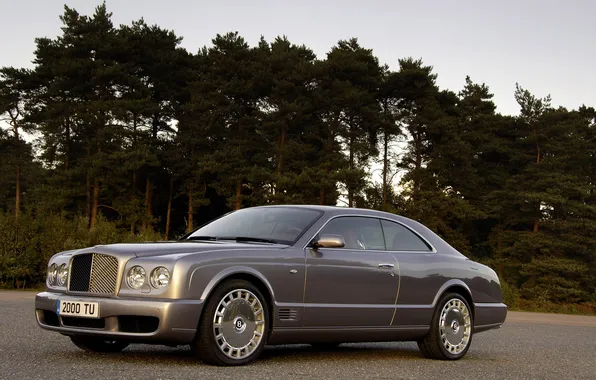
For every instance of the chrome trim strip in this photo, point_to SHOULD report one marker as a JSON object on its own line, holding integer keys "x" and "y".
{"x": 490, "y": 304}
{"x": 352, "y": 328}
{"x": 334, "y": 305}
{"x": 398, "y": 288}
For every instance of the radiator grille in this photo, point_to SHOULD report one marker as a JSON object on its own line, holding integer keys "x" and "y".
{"x": 93, "y": 273}
{"x": 80, "y": 273}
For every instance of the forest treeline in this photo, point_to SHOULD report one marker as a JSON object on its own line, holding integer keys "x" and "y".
{"x": 136, "y": 138}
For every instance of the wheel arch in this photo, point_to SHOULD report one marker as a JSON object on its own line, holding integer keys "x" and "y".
{"x": 248, "y": 274}
{"x": 459, "y": 287}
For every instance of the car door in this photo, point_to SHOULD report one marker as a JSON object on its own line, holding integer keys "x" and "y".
{"x": 355, "y": 285}
{"x": 420, "y": 274}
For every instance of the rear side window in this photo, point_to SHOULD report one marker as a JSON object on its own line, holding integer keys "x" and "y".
{"x": 400, "y": 238}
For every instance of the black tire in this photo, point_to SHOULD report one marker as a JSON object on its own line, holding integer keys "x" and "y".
{"x": 432, "y": 345}
{"x": 92, "y": 344}
{"x": 205, "y": 345}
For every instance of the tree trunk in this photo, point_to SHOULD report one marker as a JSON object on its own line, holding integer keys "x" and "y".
{"x": 417, "y": 165}
{"x": 95, "y": 204}
{"x": 67, "y": 145}
{"x": 499, "y": 250}
{"x": 169, "y": 212}
{"x": 17, "y": 210}
{"x": 133, "y": 199}
{"x": 322, "y": 196}
{"x": 15, "y": 130}
{"x": 149, "y": 211}
{"x": 88, "y": 186}
{"x": 238, "y": 205}
{"x": 352, "y": 164}
{"x": 385, "y": 167}
{"x": 537, "y": 221}
{"x": 280, "y": 155}
{"x": 189, "y": 228}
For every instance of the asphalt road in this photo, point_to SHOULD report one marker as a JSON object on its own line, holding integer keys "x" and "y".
{"x": 528, "y": 346}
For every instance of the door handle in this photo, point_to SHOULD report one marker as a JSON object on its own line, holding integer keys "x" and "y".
{"x": 386, "y": 265}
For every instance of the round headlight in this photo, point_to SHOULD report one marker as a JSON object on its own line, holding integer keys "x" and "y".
{"x": 52, "y": 273}
{"x": 160, "y": 277}
{"x": 136, "y": 277}
{"x": 62, "y": 274}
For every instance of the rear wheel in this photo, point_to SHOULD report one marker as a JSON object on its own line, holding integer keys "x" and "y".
{"x": 93, "y": 344}
{"x": 451, "y": 329}
{"x": 233, "y": 327}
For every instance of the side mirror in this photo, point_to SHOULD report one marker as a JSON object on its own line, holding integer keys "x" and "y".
{"x": 329, "y": 241}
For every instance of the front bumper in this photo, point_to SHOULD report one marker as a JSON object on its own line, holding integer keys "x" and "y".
{"x": 142, "y": 320}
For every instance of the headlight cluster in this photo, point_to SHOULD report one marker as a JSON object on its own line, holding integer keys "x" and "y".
{"x": 57, "y": 275}
{"x": 137, "y": 277}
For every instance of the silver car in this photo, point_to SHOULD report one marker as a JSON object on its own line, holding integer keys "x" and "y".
{"x": 275, "y": 275}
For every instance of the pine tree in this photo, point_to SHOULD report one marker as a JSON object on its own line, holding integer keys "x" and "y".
{"x": 15, "y": 87}
{"x": 352, "y": 76}
{"x": 390, "y": 100}
{"x": 288, "y": 75}
{"x": 228, "y": 96}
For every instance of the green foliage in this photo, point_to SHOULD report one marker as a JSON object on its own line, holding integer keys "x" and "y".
{"x": 137, "y": 138}
{"x": 27, "y": 243}
{"x": 510, "y": 295}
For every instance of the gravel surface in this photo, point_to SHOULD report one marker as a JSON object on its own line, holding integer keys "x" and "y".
{"x": 528, "y": 346}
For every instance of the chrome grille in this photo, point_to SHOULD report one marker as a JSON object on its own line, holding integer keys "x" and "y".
{"x": 104, "y": 274}
{"x": 93, "y": 273}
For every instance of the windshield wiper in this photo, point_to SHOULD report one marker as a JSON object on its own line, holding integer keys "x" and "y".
{"x": 250, "y": 239}
{"x": 211, "y": 238}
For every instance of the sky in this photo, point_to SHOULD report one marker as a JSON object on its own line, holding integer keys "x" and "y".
{"x": 546, "y": 46}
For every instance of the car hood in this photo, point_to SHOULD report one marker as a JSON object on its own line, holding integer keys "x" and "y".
{"x": 148, "y": 249}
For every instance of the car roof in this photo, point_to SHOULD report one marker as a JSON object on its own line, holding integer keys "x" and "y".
{"x": 336, "y": 210}
{"x": 435, "y": 240}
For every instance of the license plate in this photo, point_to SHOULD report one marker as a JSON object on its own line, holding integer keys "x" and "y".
{"x": 78, "y": 309}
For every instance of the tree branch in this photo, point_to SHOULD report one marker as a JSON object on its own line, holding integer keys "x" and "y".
{"x": 111, "y": 208}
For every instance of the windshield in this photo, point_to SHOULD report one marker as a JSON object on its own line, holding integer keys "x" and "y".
{"x": 282, "y": 225}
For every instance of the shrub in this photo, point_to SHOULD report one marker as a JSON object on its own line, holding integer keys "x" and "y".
{"x": 27, "y": 243}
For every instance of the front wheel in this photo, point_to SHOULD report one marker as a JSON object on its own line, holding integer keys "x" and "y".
{"x": 98, "y": 345}
{"x": 233, "y": 327}
{"x": 451, "y": 329}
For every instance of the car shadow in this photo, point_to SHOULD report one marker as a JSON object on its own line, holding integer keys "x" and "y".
{"x": 182, "y": 355}
{"x": 356, "y": 351}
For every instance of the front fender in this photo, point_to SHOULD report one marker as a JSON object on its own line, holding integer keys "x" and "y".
{"x": 204, "y": 279}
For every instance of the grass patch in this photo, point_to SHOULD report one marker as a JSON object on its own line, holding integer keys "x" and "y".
{"x": 586, "y": 308}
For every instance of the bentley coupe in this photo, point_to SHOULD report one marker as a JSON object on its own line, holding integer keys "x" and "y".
{"x": 271, "y": 275}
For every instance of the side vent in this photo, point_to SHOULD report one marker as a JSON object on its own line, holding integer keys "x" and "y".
{"x": 288, "y": 314}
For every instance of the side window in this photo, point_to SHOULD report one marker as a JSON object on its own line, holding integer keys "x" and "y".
{"x": 399, "y": 238}
{"x": 358, "y": 232}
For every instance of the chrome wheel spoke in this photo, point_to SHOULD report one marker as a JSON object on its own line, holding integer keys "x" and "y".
{"x": 455, "y": 326}
{"x": 239, "y": 324}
